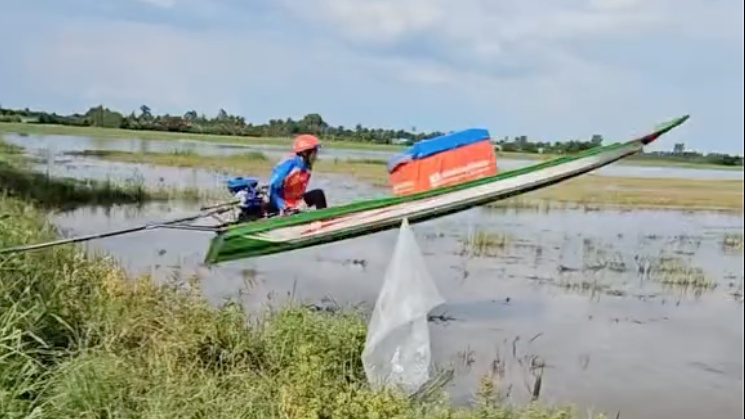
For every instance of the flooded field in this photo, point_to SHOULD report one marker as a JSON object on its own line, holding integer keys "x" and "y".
{"x": 54, "y": 147}
{"x": 636, "y": 311}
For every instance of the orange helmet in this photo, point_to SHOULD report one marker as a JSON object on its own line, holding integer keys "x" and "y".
{"x": 305, "y": 142}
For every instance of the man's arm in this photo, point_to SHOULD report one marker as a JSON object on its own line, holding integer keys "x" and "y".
{"x": 277, "y": 182}
{"x": 242, "y": 196}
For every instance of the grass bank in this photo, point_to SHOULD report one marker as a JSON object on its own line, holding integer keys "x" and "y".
{"x": 78, "y": 338}
{"x": 97, "y": 132}
{"x": 587, "y": 191}
{"x": 9, "y": 151}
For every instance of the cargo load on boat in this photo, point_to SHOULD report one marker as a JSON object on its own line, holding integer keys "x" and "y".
{"x": 446, "y": 160}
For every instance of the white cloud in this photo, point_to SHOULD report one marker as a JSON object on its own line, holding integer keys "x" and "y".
{"x": 475, "y": 25}
{"x": 490, "y": 32}
{"x": 129, "y": 63}
{"x": 546, "y": 68}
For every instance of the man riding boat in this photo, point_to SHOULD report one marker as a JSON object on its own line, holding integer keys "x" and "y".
{"x": 287, "y": 186}
{"x": 290, "y": 178}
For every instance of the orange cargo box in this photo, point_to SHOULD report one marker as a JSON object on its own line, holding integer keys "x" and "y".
{"x": 443, "y": 161}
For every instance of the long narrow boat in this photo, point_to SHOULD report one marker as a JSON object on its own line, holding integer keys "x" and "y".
{"x": 312, "y": 228}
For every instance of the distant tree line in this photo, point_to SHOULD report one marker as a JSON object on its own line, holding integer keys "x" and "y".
{"x": 224, "y": 123}
{"x": 721, "y": 159}
{"x": 221, "y": 124}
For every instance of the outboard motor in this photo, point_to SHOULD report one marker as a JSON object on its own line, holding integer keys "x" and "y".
{"x": 253, "y": 207}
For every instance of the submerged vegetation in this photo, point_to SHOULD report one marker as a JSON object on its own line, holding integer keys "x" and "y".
{"x": 594, "y": 267}
{"x": 78, "y": 338}
{"x": 55, "y": 192}
{"x": 675, "y": 271}
{"x": 732, "y": 242}
{"x": 17, "y": 179}
{"x": 482, "y": 243}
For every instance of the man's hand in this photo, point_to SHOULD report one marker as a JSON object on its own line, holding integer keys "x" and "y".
{"x": 290, "y": 211}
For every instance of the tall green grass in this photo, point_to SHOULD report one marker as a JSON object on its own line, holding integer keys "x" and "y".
{"x": 78, "y": 338}
{"x": 7, "y": 150}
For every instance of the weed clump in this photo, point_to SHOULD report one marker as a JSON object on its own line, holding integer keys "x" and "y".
{"x": 677, "y": 272}
{"x": 482, "y": 243}
{"x": 732, "y": 243}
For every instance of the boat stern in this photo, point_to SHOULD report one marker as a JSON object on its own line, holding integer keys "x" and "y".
{"x": 214, "y": 250}
{"x": 237, "y": 244}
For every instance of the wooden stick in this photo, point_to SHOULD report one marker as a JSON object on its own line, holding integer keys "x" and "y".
{"x": 25, "y": 248}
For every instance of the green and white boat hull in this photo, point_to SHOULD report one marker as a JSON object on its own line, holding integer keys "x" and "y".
{"x": 312, "y": 228}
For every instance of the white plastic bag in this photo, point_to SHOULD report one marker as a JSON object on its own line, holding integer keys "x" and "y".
{"x": 397, "y": 351}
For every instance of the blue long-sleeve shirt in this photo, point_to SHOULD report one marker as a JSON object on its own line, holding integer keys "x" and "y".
{"x": 288, "y": 182}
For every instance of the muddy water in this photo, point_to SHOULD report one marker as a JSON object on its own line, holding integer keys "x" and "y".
{"x": 53, "y": 147}
{"x": 627, "y": 343}
{"x": 565, "y": 286}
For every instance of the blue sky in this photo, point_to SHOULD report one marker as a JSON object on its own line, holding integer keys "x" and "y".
{"x": 549, "y": 69}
